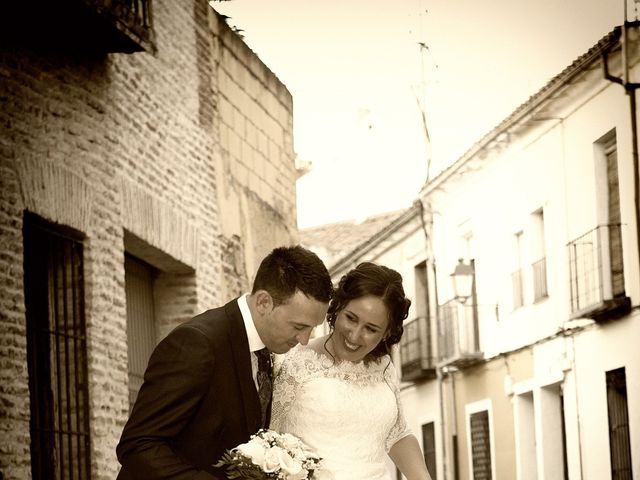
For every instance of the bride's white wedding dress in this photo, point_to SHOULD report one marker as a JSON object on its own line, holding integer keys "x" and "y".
{"x": 348, "y": 412}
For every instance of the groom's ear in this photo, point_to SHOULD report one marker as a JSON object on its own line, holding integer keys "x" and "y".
{"x": 264, "y": 302}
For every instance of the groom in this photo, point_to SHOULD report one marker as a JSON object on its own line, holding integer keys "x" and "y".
{"x": 200, "y": 392}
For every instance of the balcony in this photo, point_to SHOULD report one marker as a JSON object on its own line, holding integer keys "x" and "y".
{"x": 597, "y": 275}
{"x": 416, "y": 351}
{"x": 458, "y": 340}
{"x": 106, "y": 26}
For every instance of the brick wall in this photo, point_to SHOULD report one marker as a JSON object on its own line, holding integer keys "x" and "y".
{"x": 183, "y": 158}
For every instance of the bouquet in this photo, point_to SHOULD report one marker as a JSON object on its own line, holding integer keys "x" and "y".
{"x": 269, "y": 455}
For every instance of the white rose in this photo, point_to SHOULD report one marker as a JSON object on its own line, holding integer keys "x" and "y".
{"x": 289, "y": 441}
{"x": 252, "y": 450}
{"x": 271, "y": 462}
{"x": 289, "y": 465}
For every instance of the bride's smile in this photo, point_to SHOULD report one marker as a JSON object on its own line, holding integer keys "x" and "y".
{"x": 359, "y": 328}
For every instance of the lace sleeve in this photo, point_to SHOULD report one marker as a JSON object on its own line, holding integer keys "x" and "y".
{"x": 400, "y": 428}
{"x": 285, "y": 387}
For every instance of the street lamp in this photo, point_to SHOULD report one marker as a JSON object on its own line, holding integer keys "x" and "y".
{"x": 464, "y": 287}
{"x": 463, "y": 277}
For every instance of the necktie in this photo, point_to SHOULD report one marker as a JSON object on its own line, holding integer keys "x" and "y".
{"x": 264, "y": 382}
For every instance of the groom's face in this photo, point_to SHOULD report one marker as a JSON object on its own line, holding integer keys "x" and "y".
{"x": 291, "y": 322}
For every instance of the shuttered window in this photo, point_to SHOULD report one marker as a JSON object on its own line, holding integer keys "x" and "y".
{"x": 141, "y": 332}
{"x": 56, "y": 352}
{"x": 429, "y": 448}
{"x": 619, "y": 440}
{"x": 480, "y": 445}
{"x": 615, "y": 236}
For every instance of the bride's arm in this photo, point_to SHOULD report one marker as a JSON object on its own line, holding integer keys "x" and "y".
{"x": 407, "y": 456}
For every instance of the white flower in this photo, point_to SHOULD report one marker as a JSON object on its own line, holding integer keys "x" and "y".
{"x": 289, "y": 441}
{"x": 253, "y": 450}
{"x": 291, "y": 467}
{"x": 272, "y": 459}
{"x": 282, "y": 456}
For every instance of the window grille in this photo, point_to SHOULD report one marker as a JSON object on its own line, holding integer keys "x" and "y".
{"x": 57, "y": 353}
{"x": 619, "y": 440}
{"x": 429, "y": 448}
{"x": 480, "y": 445}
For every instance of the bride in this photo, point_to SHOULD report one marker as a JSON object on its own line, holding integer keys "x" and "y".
{"x": 339, "y": 393}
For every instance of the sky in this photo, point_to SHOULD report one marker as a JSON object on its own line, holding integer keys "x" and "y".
{"x": 363, "y": 72}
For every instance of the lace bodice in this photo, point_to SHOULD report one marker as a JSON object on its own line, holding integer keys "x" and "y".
{"x": 348, "y": 412}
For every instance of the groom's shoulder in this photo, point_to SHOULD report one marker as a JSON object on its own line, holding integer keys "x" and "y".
{"x": 214, "y": 319}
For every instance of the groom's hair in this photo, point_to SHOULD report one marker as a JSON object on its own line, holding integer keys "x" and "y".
{"x": 287, "y": 269}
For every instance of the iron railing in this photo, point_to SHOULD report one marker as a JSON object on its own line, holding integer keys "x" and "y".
{"x": 416, "y": 350}
{"x": 596, "y": 267}
{"x": 56, "y": 354}
{"x": 131, "y": 16}
{"x": 458, "y": 335}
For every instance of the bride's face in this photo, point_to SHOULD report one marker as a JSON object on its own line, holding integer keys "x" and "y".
{"x": 359, "y": 328}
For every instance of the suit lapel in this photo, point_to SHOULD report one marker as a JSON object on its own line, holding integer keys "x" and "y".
{"x": 242, "y": 359}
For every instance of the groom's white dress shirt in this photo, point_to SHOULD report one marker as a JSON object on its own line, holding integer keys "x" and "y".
{"x": 255, "y": 342}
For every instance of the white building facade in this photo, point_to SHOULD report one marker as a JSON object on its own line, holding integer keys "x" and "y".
{"x": 534, "y": 372}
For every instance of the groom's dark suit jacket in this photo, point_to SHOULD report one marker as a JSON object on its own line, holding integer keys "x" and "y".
{"x": 198, "y": 399}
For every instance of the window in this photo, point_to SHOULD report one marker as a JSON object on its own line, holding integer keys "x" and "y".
{"x": 539, "y": 265}
{"x": 596, "y": 257}
{"x": 420, "y": 275}
{"x": 56, "y": 352}
{"x": 613, "y": 212}
{"x": 619, "y": 440}
{"x": 415, "y": 346}
{"x": 429, "y": 448}
{"x": 141, "y": 331}
{"x": 516, "y": 276}
{"x": 480, "y": 445}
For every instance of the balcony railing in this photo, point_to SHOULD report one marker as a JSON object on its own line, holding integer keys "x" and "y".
{"x": 597, "y": 274}
{"x": 416, "y": 351}
{"x": 106, "y": 26}
{"x": 539, "y": 270}
{"x": 133, "y": 18}
{"x": 458, "y": 342}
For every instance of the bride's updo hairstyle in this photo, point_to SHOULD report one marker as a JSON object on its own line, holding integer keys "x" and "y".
{"x": 382, "y": 282}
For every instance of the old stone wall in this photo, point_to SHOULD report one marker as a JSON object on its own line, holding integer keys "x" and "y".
{"x": 256, "y": 185}
{"x": 155, "y": 155}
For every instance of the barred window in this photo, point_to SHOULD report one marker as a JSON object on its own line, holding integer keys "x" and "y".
{"x": 56, "y": 351}
{"x": 429, "y": 448}
{"x": 480, "y": 445}
{"x": 618, "y": 410}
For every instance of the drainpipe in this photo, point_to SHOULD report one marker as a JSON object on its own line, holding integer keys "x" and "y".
{"x": 630, "y": 88}
{"x": 431, "y": 262}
